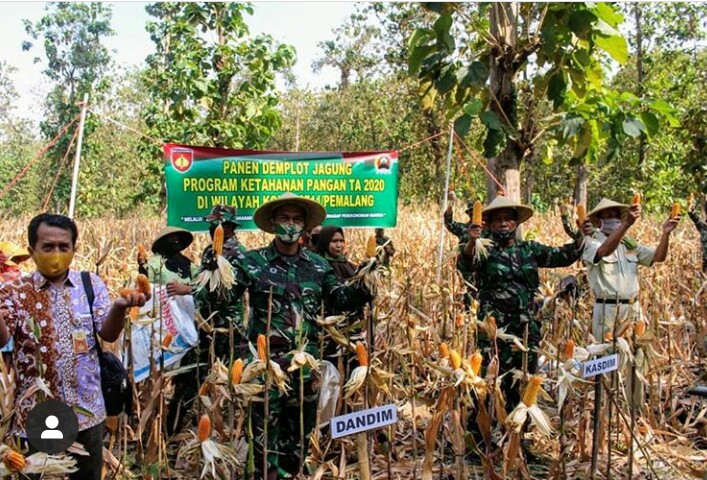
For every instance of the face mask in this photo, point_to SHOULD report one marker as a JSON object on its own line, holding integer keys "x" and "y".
{"x": 503, "y": 238}
{"x": 288, "y": 233}
{"x": 54, "y": 264}
{"x": 610, "y": 225}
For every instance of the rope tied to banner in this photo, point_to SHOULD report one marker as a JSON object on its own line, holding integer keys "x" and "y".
{"x": 39, "y": 155}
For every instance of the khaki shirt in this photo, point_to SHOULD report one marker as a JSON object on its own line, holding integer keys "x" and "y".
{"x": 616, "y": 275}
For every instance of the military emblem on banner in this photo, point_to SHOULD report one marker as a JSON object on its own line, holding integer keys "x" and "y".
{"x": 182, "y": 159}
{"x": 382, "y": 162}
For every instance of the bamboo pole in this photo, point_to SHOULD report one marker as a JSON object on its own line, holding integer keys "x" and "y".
{"x": 444, "y": 204}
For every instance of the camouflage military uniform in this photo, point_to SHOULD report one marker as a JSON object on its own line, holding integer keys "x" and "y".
{"x": 458, "y": 229}
{"x": 299, "y": 284}
{"x": 701, "y": 226}
{"x": 508, "y": 281}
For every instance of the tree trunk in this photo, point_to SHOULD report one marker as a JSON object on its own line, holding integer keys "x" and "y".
{"x": 580, "y": 188}
{"x": 504, "y": 98}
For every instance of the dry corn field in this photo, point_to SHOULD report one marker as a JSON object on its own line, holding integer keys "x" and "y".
{"x": 423, "y": 360}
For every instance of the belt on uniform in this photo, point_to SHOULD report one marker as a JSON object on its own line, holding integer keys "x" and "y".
{"x": 614, "y": 301}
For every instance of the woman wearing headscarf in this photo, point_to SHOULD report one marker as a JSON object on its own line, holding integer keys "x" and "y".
{"x": 331, "y": 245}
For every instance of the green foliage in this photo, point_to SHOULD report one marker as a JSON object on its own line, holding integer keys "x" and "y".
{"x": 77, "y": 63}
{"x": 209, "y": 82}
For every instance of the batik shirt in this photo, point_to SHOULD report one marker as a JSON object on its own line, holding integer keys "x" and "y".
{"x": 299, "y": 284}
{"x": 42, "y": 318}
{"x": 702, "y": 228}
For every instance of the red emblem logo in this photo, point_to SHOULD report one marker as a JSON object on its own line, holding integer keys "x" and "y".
{"x": 182, "y": 159}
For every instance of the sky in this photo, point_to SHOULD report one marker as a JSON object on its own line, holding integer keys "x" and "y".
{"x": 301, "y": 24}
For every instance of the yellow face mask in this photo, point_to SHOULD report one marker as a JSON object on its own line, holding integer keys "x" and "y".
{"x": 54, "y": 264}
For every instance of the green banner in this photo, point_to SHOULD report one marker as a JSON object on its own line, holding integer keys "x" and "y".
{"x": 356, "y": 189}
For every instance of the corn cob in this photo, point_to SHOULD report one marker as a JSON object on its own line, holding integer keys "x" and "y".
{"x": 476, "y": 215}
{"x": 569, "y": 349}
{"x": 460, "y": 320}
{"x": 362, "y": 354}
{"x": 125, "y": 292}
{"x": 371, "y": 247}
{"x": 530, "y": 394}
{"x": 167, "y": 340}
{"x": 608, "y": 336}
{"x": 205, "y": 389}
{"x": 237, "y": 371}
{"x": 14, "y": 461}
{"x": 475, "y": 362}
{"x": 636, "y": 199}
{"x": 581, "y": 213}
{"x": 443, "y": 350}
{"x": 676, "y": 210}
{"x": 455, "y": 359}
{"x": 262, "y": 348}
{"x": 141, "y": 253}
{"x": 204, "y": 429}
{"x": 143, "y": 284}
{"x": 217, "y": 243}
{"x": 492, "y": 328}
{"x": 640, "y": 328}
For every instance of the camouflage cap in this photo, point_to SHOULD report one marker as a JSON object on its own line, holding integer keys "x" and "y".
{"x": 222, "y": 214}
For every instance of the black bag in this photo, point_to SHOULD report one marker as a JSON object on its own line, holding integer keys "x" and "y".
{"x": 117, "y": 390}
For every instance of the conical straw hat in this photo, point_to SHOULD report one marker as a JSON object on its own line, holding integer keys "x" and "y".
{"x": 606, "y": 204}
{"x": 501, "y": 202}
{"x": 315, "y": 213}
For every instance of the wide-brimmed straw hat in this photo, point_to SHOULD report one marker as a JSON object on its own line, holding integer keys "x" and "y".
{"x": 314, "y": 212}
{"x": 185, "y": 238}
{"x": 606, "y": 204}
{"x": 500, "y": 202}
{"x": 14, "y": 253}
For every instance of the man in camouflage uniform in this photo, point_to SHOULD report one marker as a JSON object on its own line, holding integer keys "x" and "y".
{"x": 458, "y": 229}
{"x": 222, "y": 312}
{"x": 297, "y": 281}
{"x": 508, "y": 282}
{"x": 701, "y": 228}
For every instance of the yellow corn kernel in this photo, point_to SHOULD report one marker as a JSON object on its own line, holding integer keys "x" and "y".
{"x": 237, "y": 371}
{"x": 636, "y": 199}
{"x": 455, "y": 359}
{"x": 640, "y": 328}
{"x": 217, "y": 243}
{"x": 676, "y": 210}
{"x": 371, "y": 246}
{"x": 569, "y": 349}
{"x": 476, "y": 218}
{"x": 530, "y": 394}
{"x": 203, "y": 431}
{"x": 581, "y": 213}
{"x": 443, "y": 350}
{"x": 167, "y": 340}
{"x": 143, "y": 284}
{"x": 362, "y": 354}
{"x": 262, "y": 348}
{"x": 475, "y": 363}
{"x": 14, "y": 461}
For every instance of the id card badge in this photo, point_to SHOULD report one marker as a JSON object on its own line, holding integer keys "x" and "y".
{"x": 80, "y": 342}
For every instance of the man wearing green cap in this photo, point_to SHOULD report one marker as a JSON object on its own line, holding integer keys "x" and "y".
{"x": 612, "y": 261}
{"x": 287, "y": 286}
{"x": 507, "y": 279}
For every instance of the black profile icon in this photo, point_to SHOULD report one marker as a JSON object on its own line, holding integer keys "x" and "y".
{"x": 51, "y": 427}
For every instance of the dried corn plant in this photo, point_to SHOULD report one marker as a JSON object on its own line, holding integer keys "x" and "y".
{"x": 423, "y": 358}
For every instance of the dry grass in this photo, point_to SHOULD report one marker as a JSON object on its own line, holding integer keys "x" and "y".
{"x": 413, "y": 315}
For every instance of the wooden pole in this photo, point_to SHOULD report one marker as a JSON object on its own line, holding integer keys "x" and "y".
{"x": 77, "y": 159}
{"x": 444, "y": 204}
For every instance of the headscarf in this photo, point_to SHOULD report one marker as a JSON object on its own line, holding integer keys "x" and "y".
{"x": 342, "y": 267}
